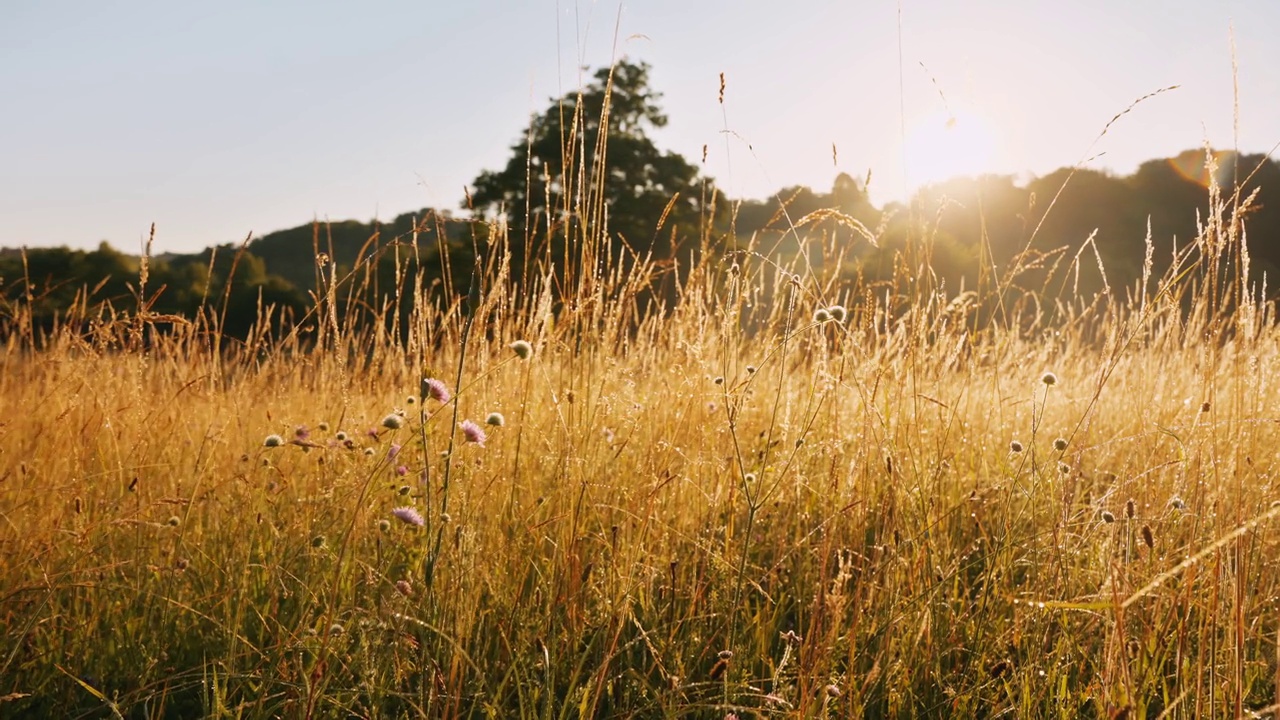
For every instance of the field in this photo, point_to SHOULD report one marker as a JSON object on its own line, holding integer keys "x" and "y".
{"x": 781, "y": 496}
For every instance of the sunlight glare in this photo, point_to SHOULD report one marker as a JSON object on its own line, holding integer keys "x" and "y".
{"x": 943, "y": 146}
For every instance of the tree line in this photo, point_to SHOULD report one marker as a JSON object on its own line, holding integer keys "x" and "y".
{"x": 586, "y": 175}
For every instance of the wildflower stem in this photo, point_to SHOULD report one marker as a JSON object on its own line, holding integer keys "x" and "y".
{"x": 469, "y": 306}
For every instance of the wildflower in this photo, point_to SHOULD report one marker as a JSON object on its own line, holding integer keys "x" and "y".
{"x": 336, "y": 629}
{"x": 393, "y": 451}
{"x": 404, "y": 588}
{"x": 1060, "y": 444}
{"x": 410, "y": 400}
{"x": 435, "y": 389}
{"x": 837, "y": 313}
{"x": 174, "y": 521}
{"x": 1049, "y": 379}
{"x": 273, "y": 441}
{"x": 404, "y": 490}
{"x": 718, "y": 380}
{"x": 726, "y": 655}
{"x": 1064, "y": 468}
{"x": 821, "y": 315}
{"x": 472, "y": 432}
{"x": 368, "y": 452}
{"x": 301, "y": 432}
{"x": 1015, "y": 447}
{"x": 384, "y": 525}
{"x": 833, "y": 691}
{"x": 1176, "y": 503}
{"x": 340, "y": 437}
{"x": 751, "y": 369}
{"x": 323, "y": 427}
{"x": 408, "y": 515}
{"x": 495, "y": 419}
{"x": 402, "y": 470}
{"x": 522, "y": 349}
{"x": 393, "y": 422}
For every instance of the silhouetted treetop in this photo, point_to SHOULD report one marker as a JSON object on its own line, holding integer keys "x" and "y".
{"x": 563, "y": 176}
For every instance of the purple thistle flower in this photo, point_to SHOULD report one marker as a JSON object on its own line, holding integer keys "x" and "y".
{"x": 409, "y": 516}
{"x": 393, "y": 451}
{"x": 435, "y": 389}
{"x": 401, "y": 470}
{"x": 472, "y": 432}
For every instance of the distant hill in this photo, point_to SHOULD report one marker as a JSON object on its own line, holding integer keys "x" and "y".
{"x": 963, "y": 219}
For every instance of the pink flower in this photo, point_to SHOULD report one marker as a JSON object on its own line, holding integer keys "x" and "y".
{"x": 435, "y": 390}
{"x": 472, "y": 432}
{"x": 409, "y": 516}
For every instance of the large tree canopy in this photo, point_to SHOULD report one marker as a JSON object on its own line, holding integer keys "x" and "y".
{"x": 561, "y": 175}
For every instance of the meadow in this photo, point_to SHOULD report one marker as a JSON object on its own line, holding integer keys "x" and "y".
{"x": 775, "y": 494}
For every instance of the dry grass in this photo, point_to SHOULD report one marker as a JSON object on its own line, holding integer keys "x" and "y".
{"x": 736, "y": 505}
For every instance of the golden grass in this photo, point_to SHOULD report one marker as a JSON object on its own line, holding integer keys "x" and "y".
{"x": 737, "y": 505}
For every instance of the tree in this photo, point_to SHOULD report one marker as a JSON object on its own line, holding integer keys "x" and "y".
{"x": 565, "y": 183}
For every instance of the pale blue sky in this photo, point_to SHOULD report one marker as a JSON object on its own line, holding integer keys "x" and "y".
{"x": 216, "y": 120}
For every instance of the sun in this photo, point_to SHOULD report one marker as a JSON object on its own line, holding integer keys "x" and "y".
{"x": 942, "y": 146}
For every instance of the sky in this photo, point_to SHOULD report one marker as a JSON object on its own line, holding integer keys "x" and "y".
{"x": 217, "y": 121}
